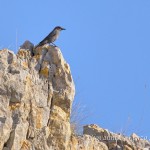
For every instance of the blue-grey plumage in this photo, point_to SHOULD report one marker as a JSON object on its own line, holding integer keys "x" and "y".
{"x": 51, "y": 37}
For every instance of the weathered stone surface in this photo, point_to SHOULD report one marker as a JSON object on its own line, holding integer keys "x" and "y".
{"x": 27, "y": 45}
{"x": 116, "y": 141}
{"x": 86, "y": 142}
{"x": 36, "y": 95}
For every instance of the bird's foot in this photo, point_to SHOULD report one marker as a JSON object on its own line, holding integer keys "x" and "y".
{"x": 54, "y": 45}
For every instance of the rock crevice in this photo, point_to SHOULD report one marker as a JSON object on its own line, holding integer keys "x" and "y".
{"x": 36, "y": 95}
{"x": 35, "y": 99}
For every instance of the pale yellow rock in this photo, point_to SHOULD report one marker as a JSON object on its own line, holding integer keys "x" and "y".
{"x": 126, "y": 147}
{"x": 86, "y": 142}
{"x": 36, "y": 95}
{"x": 37, "y": 92}
{"x": 116, "y": 141}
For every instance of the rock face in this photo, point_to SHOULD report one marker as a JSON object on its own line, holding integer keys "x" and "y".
{"x": 86, "y": 142}
{"x": 116, "y": 141}
{"x": 36, "y": 95}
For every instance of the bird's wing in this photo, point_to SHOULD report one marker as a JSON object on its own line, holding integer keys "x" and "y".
{"x": 47, "y": 38}
{"x": 53, "y": 33}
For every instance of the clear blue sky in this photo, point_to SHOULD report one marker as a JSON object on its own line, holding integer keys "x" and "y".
{"x": 107, "y": 44}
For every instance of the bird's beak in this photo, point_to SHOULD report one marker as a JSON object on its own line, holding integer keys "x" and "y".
{"x": 63, "y": 29}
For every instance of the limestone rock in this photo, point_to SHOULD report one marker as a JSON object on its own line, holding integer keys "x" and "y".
{"x": 27, "y": 45}
{"x": 116, "y": 141}
{"x": 36, "y": 94}
{"x": 86, "y": 142}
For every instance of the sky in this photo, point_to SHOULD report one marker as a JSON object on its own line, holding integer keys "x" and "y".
{"x": 106, "y": 43}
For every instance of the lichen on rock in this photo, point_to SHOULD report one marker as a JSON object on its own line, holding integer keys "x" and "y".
{"x": 36, "y": 95}
{"x": 34, "y": 113}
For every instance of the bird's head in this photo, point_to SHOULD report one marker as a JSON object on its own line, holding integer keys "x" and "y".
{"x": 59, "y": 28}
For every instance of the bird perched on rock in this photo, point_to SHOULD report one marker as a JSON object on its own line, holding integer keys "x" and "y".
{"x": 51, "y": 37}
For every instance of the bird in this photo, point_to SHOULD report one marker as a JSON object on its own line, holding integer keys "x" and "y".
{"x": 51, "y": 37}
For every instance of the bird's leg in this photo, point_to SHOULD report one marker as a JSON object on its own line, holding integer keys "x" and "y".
{"x": 54, "y": 44}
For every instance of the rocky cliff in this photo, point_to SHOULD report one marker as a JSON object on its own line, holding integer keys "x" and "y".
{"x": 36, "y": 95}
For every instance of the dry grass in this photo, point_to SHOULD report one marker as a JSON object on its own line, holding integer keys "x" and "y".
{"x": 79, "y": 115}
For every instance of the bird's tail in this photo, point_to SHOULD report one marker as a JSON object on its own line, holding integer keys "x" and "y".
{"x": 37, "y": 46}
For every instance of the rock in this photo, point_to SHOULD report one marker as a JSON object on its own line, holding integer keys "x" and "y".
{"x": 135, "y": 137}
{"x": 35, "y": 102}
{"x": 36, "y": 95}
{"x": 116, "y": 141}
{"x": 27, "y": 45}
{"x": 86, "y": 142}
{"x": 126, "y": 147}
{"x": 96, "y": 131}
